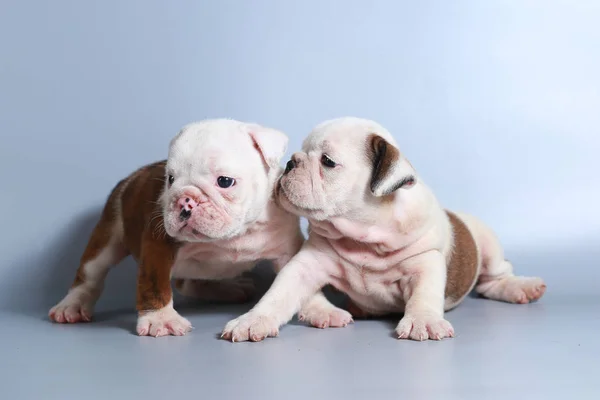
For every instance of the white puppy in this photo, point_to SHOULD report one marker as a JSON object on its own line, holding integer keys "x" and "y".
{"x": 378, "y": 234}
{"x": 203, "y": 217}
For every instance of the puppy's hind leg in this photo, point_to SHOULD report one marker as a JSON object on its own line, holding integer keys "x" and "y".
{"x": 104, "y": 249}
{"x": 496, "y": 278}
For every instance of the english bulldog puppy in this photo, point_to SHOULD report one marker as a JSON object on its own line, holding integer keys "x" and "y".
{"x": 378, "y": 233}
{"x": 202, "y": 217}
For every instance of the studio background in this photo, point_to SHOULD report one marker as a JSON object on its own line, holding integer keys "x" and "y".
{"x": 496, "y": 103}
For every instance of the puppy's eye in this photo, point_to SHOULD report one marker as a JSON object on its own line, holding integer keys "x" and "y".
{"x": 171, "y": 179}
{"x": 225, "y": 182}
{"x": 328, "y": 162}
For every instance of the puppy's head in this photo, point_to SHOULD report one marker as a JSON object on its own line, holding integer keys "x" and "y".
{"x": 220, "y": 176}
{"x": 346, "y": 165}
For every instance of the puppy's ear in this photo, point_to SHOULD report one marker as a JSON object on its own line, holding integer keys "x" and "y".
{"x": 391, "y": 171}
{"x": 271, "y": 143}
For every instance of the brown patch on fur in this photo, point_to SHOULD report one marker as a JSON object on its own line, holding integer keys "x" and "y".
{"x": 383, "y": 156}
{"x": 140, "y": 209}
{"x": 154, "y": 273}
{"x": 145, "y": 238}
{"x": 463, "y": 265}
{"x": 102, "y": 232}
{"x": 135, "y": 201}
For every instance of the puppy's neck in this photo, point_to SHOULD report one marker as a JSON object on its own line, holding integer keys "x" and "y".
{"x": 389, "y": 223}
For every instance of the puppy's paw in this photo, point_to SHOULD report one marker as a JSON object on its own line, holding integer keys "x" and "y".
{"x": 163, "y": 322}
{"x": 524, "y": 290}
{"x": 325, "y": 316}
{"x": 250, "y": 326}
{"x": 237, "y": 290}
{"x": 515, "y": 289}
{"x": 75, "y": 307}
{"x": 424, "y": 326}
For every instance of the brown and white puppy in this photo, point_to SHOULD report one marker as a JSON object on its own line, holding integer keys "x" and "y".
{"x": 378, "y": 233}
{"x": 204, "y": 216}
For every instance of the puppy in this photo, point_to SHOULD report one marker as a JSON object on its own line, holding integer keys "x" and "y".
{"x": 204, "y": 216}
{"x": 378, "y": 234}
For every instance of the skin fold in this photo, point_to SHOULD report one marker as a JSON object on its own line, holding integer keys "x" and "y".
{"x": 378, "y": 234}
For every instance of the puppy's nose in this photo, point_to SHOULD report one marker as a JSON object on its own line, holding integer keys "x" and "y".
{"x": 186, "y": 205}
{"x": 184, "y": 215}
{"x": 289, "y": 166}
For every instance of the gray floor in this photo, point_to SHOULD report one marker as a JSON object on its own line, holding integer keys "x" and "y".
{"x": 538, "y": 351}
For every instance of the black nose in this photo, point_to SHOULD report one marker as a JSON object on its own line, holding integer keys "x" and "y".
{"x": 289, "y": 166}
{"x": 185, "y": 214}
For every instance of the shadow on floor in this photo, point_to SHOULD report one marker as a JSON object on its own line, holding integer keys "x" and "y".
{"x": 44, "y": 276}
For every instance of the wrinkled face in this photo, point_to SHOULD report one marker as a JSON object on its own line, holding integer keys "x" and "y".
{"x": 219, "y": 178}
{"x": 345, "y": 165}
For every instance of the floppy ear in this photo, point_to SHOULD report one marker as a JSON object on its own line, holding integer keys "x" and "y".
{"x": 271, "y": 143}
{"x": 391, "y": 171}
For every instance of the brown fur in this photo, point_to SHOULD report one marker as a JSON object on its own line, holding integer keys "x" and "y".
{"x": 102, "y": 232}
{"x": 134, "y": 204}
{"x": 463, "y": 266}
{"x": 383, "y": 156}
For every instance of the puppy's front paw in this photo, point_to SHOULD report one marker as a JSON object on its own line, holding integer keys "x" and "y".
{"x": 324, "y": 316}
{"x": 423, "y": 327}
{"x": 75, "y": 307}
{"x": 163, "y": 322}
{"x": 250, "y": 326}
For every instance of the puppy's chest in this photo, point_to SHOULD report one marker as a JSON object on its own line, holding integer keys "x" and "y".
{"x": 378, "y": 291}
{"x": 222, "y": 260}
{"x": 377, "y": 283}
{"x": 202, "y": 261}
{"x": 372, "y": 256}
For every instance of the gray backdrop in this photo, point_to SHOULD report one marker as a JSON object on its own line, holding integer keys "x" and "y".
{"x": 496, "y": 103}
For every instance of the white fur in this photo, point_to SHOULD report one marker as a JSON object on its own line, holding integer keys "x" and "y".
{"x": 389, "y": 253}
{"x": 163, "y": 322}
{"x": 205, "y": 150}
{"x": 228, "y": 233}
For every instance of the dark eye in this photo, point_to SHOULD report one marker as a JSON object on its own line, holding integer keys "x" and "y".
{"x": 225, "y": 182}
{"x": 328, "y": 162}
{"x": 171, "y": 179}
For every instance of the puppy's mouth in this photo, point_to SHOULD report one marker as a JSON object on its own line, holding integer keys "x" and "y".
{"x": 281, "y": 193}
{"x": 192, "y": 233}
